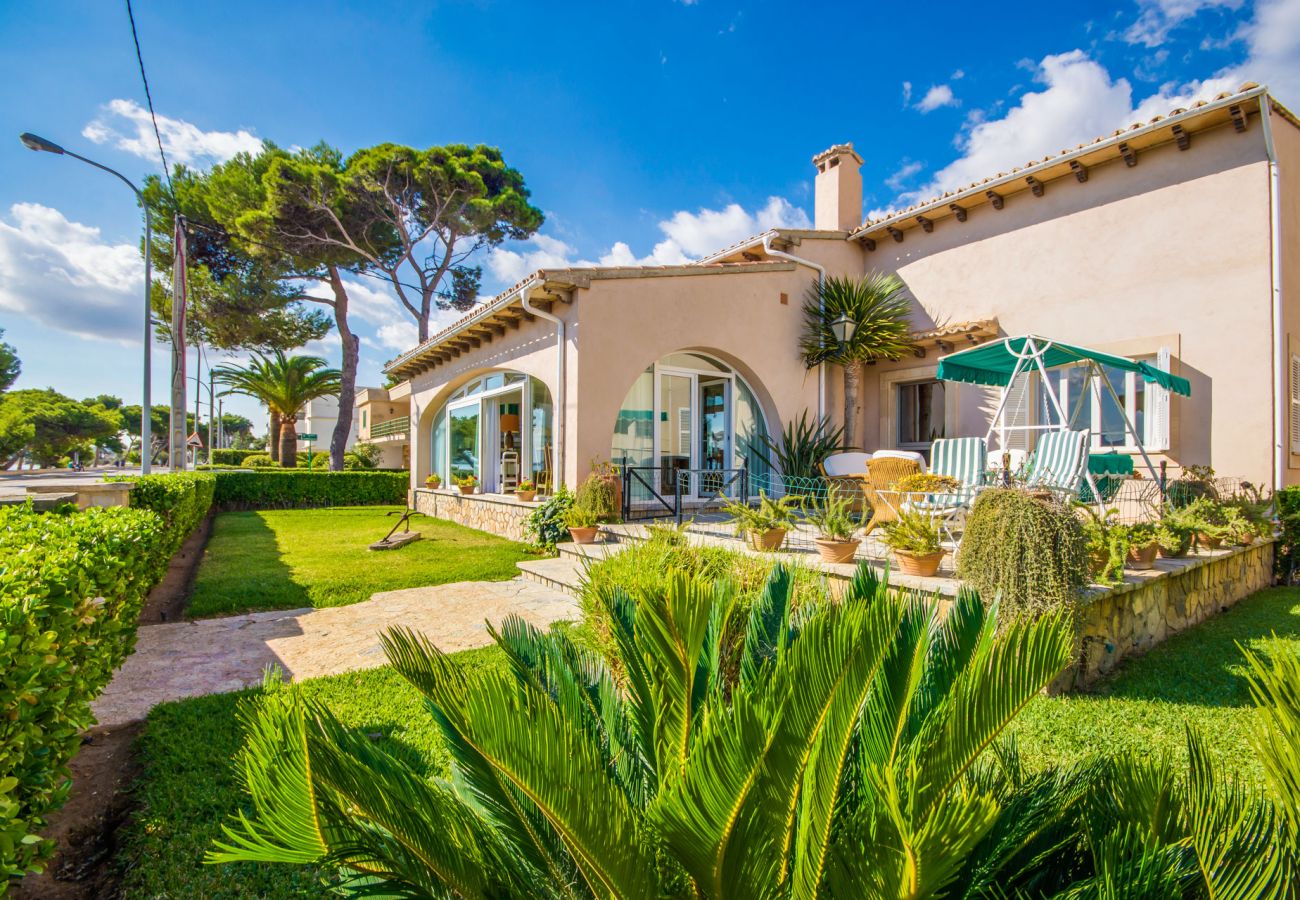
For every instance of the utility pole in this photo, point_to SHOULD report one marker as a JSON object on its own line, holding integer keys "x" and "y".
{"x": 211, "y": 417}
{"x": 198, "y": 394}
{"x": 179, "y": 436}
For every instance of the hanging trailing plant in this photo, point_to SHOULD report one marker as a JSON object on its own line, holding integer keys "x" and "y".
{"x": 1029, "y": 550}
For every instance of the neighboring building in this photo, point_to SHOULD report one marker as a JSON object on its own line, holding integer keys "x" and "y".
{"x": 384, "y": 419}
{"x": 319, "y": 418}
{"x": 1177, "y": 240}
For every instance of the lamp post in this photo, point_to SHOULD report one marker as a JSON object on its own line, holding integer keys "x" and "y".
{"x": 32, "y": 142}
{"x": 844, "y": 328}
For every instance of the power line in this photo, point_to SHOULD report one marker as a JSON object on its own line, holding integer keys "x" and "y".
{"x": 149, "y": 100}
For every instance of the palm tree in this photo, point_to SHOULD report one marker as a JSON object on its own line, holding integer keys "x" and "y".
{"x": 285, "y": 384}
{"x": 840, "y": 752}
{"x": 880, "y": 312}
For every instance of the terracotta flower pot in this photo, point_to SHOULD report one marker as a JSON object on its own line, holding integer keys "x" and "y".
{"x": 1208, "y": 543}
{"x": 923, "y": 564}
{"x": 1097, "y": 563}
{"x": 526, "y": 496}
{"x": 584, "y": 535}
{"x": 467, "y": 488}
{"x": 833, "y": 551}
{"x": 1142, "y": 557}
{"x": 1179, "y": 552}
{"x": 433, "y": 485}
{"x": 767, "y": 540}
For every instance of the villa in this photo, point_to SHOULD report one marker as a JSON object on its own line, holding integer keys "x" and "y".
{"x": 1175, "y": 241}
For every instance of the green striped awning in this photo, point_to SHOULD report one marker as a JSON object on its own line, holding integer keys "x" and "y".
{"x": 992, "y": 364}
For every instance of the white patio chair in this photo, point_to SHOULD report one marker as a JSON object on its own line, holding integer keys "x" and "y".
{"x": 851, "y": 462}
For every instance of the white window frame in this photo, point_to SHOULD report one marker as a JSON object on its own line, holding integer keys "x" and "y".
{"x": 1155, "y": 414}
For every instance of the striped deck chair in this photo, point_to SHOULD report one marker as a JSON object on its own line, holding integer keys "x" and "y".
{"x": 960, "y": 458}
{"x": 1059, "y": 461}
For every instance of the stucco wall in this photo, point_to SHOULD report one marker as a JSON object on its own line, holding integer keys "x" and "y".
{"x": 1286, "y": 144}
{"x": 626, "y": 325}
{"x": 1177, "y": 246}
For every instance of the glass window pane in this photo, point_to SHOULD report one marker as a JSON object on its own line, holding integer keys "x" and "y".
{"x": 633, "y": 443}
{"x": 692, "y": 361}
{"x": 675, "y": 427}
{"x": 464, "y": 441}
{"x": 1112, "y": 431}
{"x": 750, "y": 450}
{"x": 439, "y": 439}
{"x": 920, "y": 413}
{"x": 541, "y": 438}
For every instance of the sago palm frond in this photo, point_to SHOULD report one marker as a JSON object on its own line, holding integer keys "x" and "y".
{"x": 1275, "y": 686}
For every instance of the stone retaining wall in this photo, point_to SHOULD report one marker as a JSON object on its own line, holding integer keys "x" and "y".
{"x": 497, "y": 514}
{"x": 1150, "y": 606}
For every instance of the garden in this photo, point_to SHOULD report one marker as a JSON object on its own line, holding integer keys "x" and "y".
{"x": 708, "y": 702}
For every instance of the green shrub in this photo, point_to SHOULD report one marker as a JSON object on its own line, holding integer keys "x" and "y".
{"x": 367, "y": 455}
{"x": 297, "y": 488}
{"x": 1286, "y": 558}
{"x": 320, "y": 459}
{"x": 71, "y": 589}
{"x": 258, "y": 461}
{"x": 546, "y": 526}
{"x": 596, "y": 496}
{"x": 228, "y": 457}
{"x": 180, "y": 499}
{"x": 1028, "y": 549}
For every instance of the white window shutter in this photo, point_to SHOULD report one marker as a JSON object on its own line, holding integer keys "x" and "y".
{"x": 1294, "y": 412}
{"x": 1157, "y": 412}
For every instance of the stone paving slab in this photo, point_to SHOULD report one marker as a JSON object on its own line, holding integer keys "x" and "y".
{"x": 176, "y": 660}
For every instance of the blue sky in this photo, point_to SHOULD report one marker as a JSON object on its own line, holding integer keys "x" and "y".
{"x": 652, "y": 131}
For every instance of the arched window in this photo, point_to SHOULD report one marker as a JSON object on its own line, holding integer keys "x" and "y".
{"x": 498, "y": 427}
{"x": 684, "y": 418}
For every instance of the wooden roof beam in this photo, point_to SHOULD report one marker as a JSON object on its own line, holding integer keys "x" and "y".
{"x": 926, "y": 225}
{"x": 1238, "y": 117}
{"x": 996, "y": 199}
{"x": 1079, "y": 169}
{"x": 1182, "y": 137}
{"x": 895, "y": 234}
{"x": 1129, "y": 154}
{"x": 958, "y": 211}
{"x": 1035, "y": 186}
{"x": 869, "y": 243}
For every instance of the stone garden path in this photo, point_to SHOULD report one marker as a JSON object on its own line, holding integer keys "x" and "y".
{"x": 176, "y": 660}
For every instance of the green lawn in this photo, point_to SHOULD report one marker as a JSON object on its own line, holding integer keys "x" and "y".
{"x": 286, "y": 559}
{"x": 1197, "y": 677}
{"x": 188, "y": 787}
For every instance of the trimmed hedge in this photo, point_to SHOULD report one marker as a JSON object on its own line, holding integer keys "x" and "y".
{"x": 229, "y": 457}
{"x": 298, "y": 488}
{"x": 1286, "y": 553}
{"x": 71, "y": 589}
{"x": 181, "y": 499}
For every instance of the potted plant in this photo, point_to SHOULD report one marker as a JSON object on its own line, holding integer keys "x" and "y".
{"x": 1174, "y": 533}
{"x": 1106, "y": 543}
{"x": 928, "y": 483}
{"x": 767, "y": 524}
{"x": 526, "y": 490}
{"x": 1211, "y": 521}
{"x": 467, "y": 484}
{"x": 582, "y": 523}
{"x": 597, "y": 494}
{"x": 612, "y": 479}
{"x": 914, "y": 538}
{"x": 835, "y": 527}
{"x": 433, "y": 482}
{"x": 1142, "y": 545}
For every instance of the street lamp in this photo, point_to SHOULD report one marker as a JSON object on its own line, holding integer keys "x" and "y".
{"x": 844, "y": 328}
{"x": 32, "y": 142}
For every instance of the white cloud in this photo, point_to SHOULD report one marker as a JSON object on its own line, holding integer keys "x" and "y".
{"x": 372, "y": 302}
{"x": 1157, "y": 18}
{"x": 938, "y": 95}
{"x": 1273, "y": 50}
{"x": 896, "y": 181}
{"x": 183, "y": 141}
{"x": 62, "y": 274}
{"x": 687, "y": 236}
{"x": 907, "y": 93}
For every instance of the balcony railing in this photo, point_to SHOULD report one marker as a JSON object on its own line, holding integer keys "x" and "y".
{"x": 400, "y": 425}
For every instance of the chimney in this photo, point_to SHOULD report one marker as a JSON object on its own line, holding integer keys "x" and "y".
{"x": 837, "y": 203}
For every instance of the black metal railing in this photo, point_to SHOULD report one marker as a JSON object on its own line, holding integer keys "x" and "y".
{"x": 703, "y": 487}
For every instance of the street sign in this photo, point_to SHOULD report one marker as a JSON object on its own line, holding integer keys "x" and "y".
{"x": 304, "y": 436}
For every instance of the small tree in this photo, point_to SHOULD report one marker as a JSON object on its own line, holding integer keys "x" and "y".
{"x": 880, "y": 313}
{"x": 285, "y": 384}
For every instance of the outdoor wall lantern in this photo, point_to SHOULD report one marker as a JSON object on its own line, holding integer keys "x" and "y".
{"x": 844, "y": 328}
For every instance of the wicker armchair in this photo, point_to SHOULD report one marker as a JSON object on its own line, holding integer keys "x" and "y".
{"x": 882, "y": 474}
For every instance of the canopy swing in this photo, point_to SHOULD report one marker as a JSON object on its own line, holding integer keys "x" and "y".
{"x": 999, "y": 363}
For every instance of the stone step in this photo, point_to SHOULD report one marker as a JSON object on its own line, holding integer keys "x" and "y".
{"x": 563, "y": 573}
{"x": 593, "y": 552}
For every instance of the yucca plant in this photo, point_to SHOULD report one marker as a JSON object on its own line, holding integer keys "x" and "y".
{"x": 802, "y": 446}
{"x": 840, "y": 758}
{"x": 881, "y": 313}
